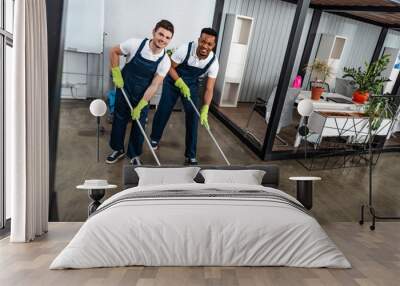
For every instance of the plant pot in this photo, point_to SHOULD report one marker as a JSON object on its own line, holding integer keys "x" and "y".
{"x": 360, "y": 97}
{"x": 316, "y": 92}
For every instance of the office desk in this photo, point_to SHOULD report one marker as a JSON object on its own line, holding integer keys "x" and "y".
{"x": 341, "y": 123}
{"x": 306, "y": 94}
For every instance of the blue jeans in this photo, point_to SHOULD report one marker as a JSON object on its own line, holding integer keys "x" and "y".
{"x": 122, "y": 116}
{"x": 169, "y": 96}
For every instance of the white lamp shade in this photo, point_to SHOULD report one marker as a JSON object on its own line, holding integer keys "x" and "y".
{"x": 305, "y": 107}
{"x": 98, "y": 107}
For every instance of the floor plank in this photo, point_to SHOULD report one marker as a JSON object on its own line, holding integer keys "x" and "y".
{"x": 375, "y": 257}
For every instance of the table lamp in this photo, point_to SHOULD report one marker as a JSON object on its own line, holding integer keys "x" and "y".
{"x": 98, "y": 108}
{"x": 305, "y": 108}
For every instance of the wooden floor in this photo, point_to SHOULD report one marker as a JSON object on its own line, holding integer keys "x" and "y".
{"x": 375, "y": 257}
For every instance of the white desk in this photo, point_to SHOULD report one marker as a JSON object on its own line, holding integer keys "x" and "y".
{"x": 306, "y": 94}
{"x": 331, "y": 119}
{"x": 335, "y": 123}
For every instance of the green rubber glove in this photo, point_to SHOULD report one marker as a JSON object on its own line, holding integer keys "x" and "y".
{"x": 179, "y": 83}
{"x": 117, "y": 77}
{"x": 204, "y": 116}
{"x": 136, "y": 111}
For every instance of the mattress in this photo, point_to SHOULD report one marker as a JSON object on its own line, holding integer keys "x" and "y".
{"x": 201, "y": 225}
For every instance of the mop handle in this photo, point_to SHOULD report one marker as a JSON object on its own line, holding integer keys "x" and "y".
{"x": 210, "y": 133}
{"x": 141, "y": 128}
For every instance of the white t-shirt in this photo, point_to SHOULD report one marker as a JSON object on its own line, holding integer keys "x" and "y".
{"x": 180, "y": 54}
{"x": 130, "y": 47}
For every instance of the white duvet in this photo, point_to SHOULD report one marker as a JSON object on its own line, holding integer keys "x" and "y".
{"x": 200, "y": 231}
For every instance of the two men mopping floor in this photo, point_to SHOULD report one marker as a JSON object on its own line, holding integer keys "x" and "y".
{"x": 190, "y": 62}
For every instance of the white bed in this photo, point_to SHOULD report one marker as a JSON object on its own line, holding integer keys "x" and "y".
{"x": 268, "y": 228}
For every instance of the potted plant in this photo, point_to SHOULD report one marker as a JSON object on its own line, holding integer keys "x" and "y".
{"x": 378, "y": 108}
{"x": 369, "y": 80}
{"x": 322, "y": 72}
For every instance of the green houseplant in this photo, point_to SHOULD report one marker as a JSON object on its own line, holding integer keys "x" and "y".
{"x": 369, "y": 80}
{"x": 321, "y": 72}
{"x": 378, "y": 108}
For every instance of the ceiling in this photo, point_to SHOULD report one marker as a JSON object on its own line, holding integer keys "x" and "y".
{"x": 381, "y": 12}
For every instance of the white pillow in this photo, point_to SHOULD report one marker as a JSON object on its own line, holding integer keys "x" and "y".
{"x": 248, "y": 177}
{"x": 166, "y": 176}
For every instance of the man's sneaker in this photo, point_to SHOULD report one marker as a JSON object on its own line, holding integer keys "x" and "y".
{"x": 154, "y": 144}
{"x": 136, "y": 161}
{"x": 115, "y": 156}
{"x": 191, "y": 161}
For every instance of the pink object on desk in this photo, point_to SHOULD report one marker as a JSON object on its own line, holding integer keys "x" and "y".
{"x": 297, "y": 82}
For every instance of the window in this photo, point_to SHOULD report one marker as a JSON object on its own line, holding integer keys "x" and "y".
{"x": 9, "y": 12}
{"x": 6, "y": 44}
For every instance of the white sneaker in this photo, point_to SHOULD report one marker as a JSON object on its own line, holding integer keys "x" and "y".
{"x": 154, "y": 144}
{"x": 115, "y": 156}
{"x": 135, "y": 161}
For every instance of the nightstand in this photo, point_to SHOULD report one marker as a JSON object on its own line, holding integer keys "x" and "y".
{"x": 96, "y": 191}
{"x": 304, "y": 193}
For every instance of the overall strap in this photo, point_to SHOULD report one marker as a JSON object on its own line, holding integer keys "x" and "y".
{"x": 209, "y": 63}
{"x": 161, "y": 58}
{"x": 141, "y": 47}
{"x": 188, "y": 53}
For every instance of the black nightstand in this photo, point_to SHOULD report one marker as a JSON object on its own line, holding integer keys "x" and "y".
{"x": 305, "y": 190}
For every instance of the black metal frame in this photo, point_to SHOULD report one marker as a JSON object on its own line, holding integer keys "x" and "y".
{"x": 379, "y": 44}
{"x": 266, "y": 152}
{"x": 369, "y": 206}
{"x": 396, "y": 87}
{"x": 358, "y": 8}
{"x": 219, "y": 7}
{"x": 312, "y": 34}
{"x": 284, "y": 78}
{"x": 56, "y": 18}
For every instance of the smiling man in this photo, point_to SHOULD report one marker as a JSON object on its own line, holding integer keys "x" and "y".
{"x": 146, "y": 66}
{"x": 190, "y": 62}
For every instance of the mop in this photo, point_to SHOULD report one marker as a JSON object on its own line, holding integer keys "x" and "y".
{"x": 141, "y": 128}
{"x": 210, "y": 133}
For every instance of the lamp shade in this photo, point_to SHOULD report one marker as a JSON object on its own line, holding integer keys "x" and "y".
{"x": 305, "y": 107}
{"x": 98, "y": 107}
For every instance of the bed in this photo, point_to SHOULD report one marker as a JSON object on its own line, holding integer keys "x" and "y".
{"x": 201, "y": 224}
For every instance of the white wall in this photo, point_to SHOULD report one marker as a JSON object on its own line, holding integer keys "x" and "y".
{"x": 126, "y": 19}
{"x": 360, "y": 44}
{"x": 392, "y": 40}
{"x": 272, "y": 24}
